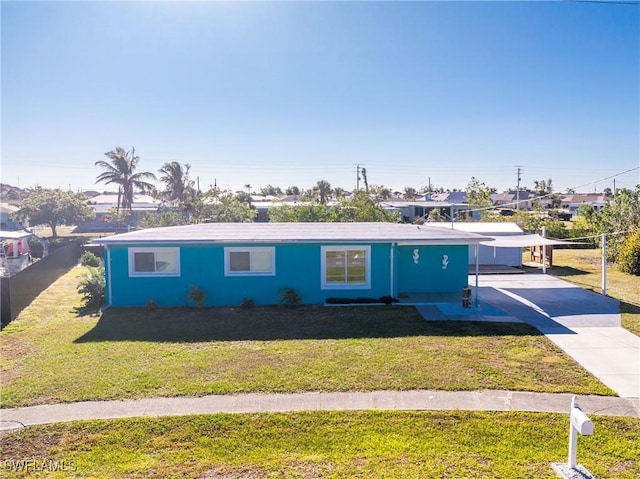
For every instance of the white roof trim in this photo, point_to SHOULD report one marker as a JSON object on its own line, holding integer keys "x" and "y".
{"x": 523, "y": 241}
{"x": 14, "y": 235}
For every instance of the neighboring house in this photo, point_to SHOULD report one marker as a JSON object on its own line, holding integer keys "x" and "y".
{"x": 14, "y": 252}
{"x": 5, "y": 211}
{"x": 236, "y": 261}
{"x": 522, "y": 200}
{"x": 102, "y": 204}
{"x": 410, "y": 211}
{"x": 489, "y": 255}
{"x": 572, "y": 203}
{"x": 450, "y": 197}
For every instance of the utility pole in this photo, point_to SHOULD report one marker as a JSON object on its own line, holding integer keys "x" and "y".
{"x": 357, "y": 176}
{"x": 518, "y": 190}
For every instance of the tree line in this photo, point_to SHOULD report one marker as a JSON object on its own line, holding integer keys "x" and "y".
{"x": 183, "y": 203}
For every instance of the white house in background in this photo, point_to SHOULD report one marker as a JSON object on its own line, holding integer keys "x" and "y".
{"x": 488, "y": 255}
{"x": 572, "y": 203}
{"x": 522, "y": 200}
{"x": 101, "y": 204}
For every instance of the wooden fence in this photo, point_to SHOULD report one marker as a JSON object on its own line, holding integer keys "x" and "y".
{"x": 21, "y": 289}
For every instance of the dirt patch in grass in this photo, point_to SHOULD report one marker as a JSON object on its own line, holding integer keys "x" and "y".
{"x": 245, "y": 473}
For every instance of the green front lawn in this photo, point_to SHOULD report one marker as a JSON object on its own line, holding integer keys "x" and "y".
{"x": 51, "y": 355}
{"x": 321, "y": 444}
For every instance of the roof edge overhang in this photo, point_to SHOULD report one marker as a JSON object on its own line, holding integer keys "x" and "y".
{"x": 399, "y": 241}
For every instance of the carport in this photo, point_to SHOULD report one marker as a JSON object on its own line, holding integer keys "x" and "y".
{"x": 519, "y": 241}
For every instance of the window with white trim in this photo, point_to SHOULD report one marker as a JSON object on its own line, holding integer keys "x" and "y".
{"x": 346, "y": 267}
{"x": 258, "y": 261}
{"x": 154, "y": 261}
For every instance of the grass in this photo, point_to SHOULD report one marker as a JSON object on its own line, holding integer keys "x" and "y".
{"x": 50, "y": 354}
{"x": 324, "y": 444}
{"x": 583, "y": 268}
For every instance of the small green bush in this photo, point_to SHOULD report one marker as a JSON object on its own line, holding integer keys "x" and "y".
{"x": 92, "y": 289}
{"x": 247, "y": 303}
{"x": 152, "y": 305}
{"x": 289, "y": 297}
{"x": 89, "y": 259}
{"x": 197, "y": 295}
{"x": 629, "y": 255}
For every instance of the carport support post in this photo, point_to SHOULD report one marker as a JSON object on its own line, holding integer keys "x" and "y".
{"x": 477, "y": 272}
{"x": 544, "y": 252}
{"x": 604, "y": 264}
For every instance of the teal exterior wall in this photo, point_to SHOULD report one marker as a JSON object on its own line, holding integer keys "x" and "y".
{"x": 426, "y": 274}
{"x": 298, "y": 266}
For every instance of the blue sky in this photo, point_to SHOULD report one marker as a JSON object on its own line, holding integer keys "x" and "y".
{"x": 291, "y": 93}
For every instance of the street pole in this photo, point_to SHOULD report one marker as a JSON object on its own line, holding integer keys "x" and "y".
{"x": 544, "y": 251}
{"x": 604, "y": 264}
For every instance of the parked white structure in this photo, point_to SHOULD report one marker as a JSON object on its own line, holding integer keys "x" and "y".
{"x": 572, "y": 203}
{"x": 14, "y": 252}
{"x": 488, "y": 255}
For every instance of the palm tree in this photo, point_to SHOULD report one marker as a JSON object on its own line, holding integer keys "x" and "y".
{"x": 324, "y": 190}
{"x": 176, "y": 180}
{"x": 410, "y": 193}
{"x": 121, "y": 171}
{"x": 366, "y": 181}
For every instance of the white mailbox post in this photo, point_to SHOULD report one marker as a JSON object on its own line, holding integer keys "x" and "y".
{"x": 578, "y": 423}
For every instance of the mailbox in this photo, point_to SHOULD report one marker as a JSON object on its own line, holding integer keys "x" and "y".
{"x": 580, "y": 422}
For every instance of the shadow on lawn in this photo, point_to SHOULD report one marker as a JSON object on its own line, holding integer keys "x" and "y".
{"x": 566, "y": 271}
{"x": 272, "y": 323}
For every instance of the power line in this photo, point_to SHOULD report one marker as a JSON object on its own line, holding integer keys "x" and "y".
{"x": 605, "y": 2}
{"x": 539, "y": 197}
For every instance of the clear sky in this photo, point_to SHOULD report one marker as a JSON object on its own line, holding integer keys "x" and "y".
{"x": 291, "y": 93}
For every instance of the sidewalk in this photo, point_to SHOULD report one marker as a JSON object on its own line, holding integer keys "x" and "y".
{"x": 488, "y": 400}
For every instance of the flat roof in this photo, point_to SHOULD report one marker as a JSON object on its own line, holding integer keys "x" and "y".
{"x": 423, "y": 203}
{"x": 295, "y": 233}
{"x": 14, "y": 235}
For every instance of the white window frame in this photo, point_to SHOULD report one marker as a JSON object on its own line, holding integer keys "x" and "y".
{"x": 323, "y": 268}
{"x": 249, "y": 249}
{"x": 132, "y": 263}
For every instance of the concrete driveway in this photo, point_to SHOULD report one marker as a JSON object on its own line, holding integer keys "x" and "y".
{"x": 586, "y": 325}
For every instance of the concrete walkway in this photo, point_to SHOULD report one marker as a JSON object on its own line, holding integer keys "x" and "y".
{"x": 337, "y": 401}
{"x": 584, "y": 324}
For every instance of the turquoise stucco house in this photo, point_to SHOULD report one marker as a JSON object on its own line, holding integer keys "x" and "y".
{"x": 236, "y": 261}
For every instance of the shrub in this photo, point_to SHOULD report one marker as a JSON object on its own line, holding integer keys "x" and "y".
{"x": 289, "y": 297}
{"x": 247, "y": 303}
{"x": 89, "y": 259}
{"x": 92, "y": 289}
{"x": 152, "y": 305}
{"x": 388, "y": 300}
{"x": 197, "y": 295}
{"x": 629, "y": 255}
